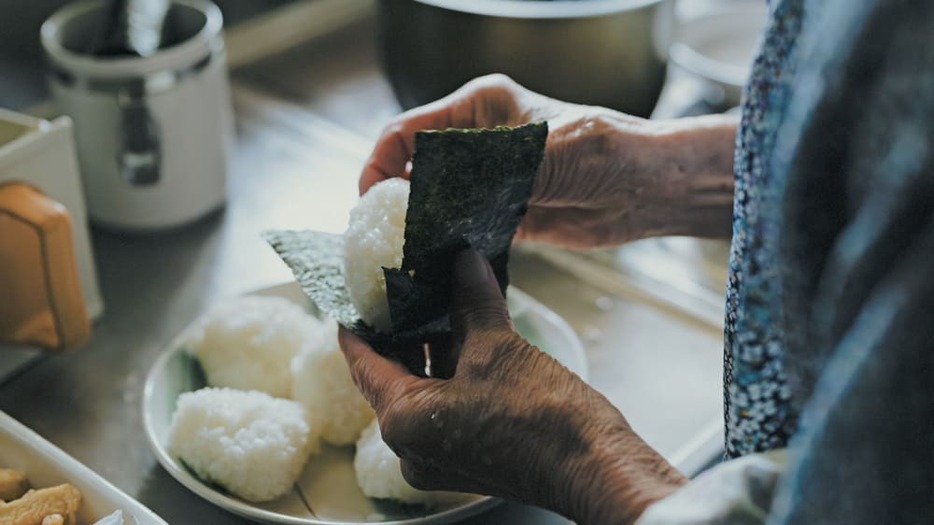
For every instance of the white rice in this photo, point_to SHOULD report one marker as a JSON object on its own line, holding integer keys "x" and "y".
{"x": 379, "y": 474}
{"x": 250, "y": 443}
{"x": 373, "y": 240}
{"x": 248, "y": 343}
{"x": 322, "y": 383}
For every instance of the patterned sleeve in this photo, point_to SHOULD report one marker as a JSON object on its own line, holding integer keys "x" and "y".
{"x": 857, "y": 278}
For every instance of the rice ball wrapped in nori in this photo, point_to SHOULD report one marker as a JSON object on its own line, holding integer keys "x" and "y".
{"x": 469, "y": 189}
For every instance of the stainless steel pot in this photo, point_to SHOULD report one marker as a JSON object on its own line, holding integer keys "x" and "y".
{"x": 601, "y": 52}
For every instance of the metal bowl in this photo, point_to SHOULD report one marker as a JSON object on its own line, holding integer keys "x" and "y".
{"x": 602, "y": 52}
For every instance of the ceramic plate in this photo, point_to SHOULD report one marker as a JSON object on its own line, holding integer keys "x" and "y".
{"x": 47, "y": 465}
{"x": 327, "y": 492}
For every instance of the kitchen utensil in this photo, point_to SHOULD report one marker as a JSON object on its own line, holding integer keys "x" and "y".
{"x": 154, "y": 132}
{"x": 48, "y": 285}
{"x": 602, "y": 52}
{"x": 131, "y": 27}
{"x": 327, "y": 484}
{"x": 134, "y": 27}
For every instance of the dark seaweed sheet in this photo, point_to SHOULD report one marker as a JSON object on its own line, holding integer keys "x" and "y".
{"x": 470, "y": 188}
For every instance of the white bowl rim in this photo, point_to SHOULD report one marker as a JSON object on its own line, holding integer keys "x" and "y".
{"x": 539, "y": 9}
{"x": 180, "y": 55}
{"x": 689, "y": 54}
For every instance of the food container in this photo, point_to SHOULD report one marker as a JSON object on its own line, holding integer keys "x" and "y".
{"x": 47, "y": 465}
{"x": 153, "y": 132}
{"x": 602, "y": 52}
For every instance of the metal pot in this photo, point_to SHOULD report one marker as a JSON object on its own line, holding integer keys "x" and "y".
{"x": 601, "y": 52}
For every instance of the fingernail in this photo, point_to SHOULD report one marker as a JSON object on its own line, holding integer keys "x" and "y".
{"x": 471, "y": 268}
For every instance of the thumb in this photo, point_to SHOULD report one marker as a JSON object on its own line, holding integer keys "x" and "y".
{"x": 477, "y": 303}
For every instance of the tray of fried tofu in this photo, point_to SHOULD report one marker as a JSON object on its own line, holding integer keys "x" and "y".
{"x": 42, "y": 485}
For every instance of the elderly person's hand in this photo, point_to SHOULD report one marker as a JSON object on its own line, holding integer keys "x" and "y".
{"x": 511, "y": 422}
{"x": 606, "y": 177}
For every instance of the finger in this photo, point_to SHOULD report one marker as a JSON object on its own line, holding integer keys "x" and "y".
{"x": 444, "y": 356}
{"x": 396, "y": 145}
{"x": 477, "y": 302}
{"x": 424, "y": 476}
{"x": 378, "y": 379}
{"x": 482, "y": 102}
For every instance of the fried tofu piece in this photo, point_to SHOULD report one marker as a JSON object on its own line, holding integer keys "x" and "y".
{"x": 35, "y": 505}
{"x": 13, "y": 484}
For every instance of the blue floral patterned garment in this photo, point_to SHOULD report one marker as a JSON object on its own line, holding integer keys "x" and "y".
{"x": 854, "y": 166}
{"x": 829, "y": 333}
{"x": 757, "y": 405}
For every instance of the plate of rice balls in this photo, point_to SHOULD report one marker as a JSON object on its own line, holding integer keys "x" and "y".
{"x": 253, "y": 408}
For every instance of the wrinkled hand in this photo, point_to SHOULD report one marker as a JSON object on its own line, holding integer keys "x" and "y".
{"x": 600, "y": 181}
{"x": 511, "y": 422}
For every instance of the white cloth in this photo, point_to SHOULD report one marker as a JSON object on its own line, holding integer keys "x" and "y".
{"x": 736, "y": 492}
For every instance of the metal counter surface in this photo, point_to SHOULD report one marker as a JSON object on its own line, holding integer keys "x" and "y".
{"x": 651, "y": 332}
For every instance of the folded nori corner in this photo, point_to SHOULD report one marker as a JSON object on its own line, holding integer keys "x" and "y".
{"x": 317, "y": 261}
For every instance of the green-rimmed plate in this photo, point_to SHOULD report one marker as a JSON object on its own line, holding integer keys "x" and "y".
{"x": 327, "y": 492}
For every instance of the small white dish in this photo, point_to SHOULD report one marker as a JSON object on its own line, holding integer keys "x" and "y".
{"x": 327, "y": 492}
{"x": 46, "y": 465}
{"x": 719, "y": 46}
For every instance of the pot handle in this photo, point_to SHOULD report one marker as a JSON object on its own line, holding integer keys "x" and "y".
{"x": 41, "y": 303}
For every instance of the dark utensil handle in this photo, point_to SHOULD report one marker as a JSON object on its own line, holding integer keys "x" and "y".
{"x": 140, "y": 156}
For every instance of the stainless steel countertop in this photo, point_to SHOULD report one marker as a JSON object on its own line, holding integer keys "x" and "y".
{"x": 305, "y": 123}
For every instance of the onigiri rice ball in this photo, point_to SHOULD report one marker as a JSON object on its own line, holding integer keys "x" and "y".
{"x": 373, "y": 240}
{"x": 248, "y": 343}
{"x": 379, "y": 474}
{"x": 252, "y": 444}
{"x": 322, "y": 383}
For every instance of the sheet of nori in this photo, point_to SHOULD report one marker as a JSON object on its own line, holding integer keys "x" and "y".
{"x": 317, "y": 261}
{"x": 469, "y": 188}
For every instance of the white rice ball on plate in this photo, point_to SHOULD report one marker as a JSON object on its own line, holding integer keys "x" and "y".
{"x": 252, "y": 444}
{"x": 248, "y": 343}
{"x": 379, "y": 474}
{"x": 322, "y": 383}
{"x": 373, "y": 240}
